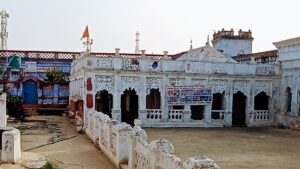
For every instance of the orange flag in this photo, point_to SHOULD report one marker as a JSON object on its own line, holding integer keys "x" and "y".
{"x": 85, "y": 33}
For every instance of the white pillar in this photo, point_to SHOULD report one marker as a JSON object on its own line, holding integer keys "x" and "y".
{"x": 229, "y": 97}
{"x": 164, "y": 102}
{"x": 294, "y": 90}
{"x": 11, "y": 146}
{"x": 207, "y": 113}
{"x": 3, "y": 116}
{"x": 250, "y": 104}
{"x": 142, "y": 98}
{"x": 116, "y": 110}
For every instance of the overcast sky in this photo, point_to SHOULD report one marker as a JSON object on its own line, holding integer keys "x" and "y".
{"x": 163, "y": 24}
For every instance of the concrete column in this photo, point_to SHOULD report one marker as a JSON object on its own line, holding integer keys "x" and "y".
{"x": 250, "y": 104}
{"x": 164, "y": 101}
{"x": 142, "y": 98}
{"x": 187, "y": 113}
{"x": 294, "y": 90}
{"x": 116, "y": 110}
{"x": 3, "y": 116}
{"x": 229, "y": 99}
{"x": 11, "y": 146}
{"x": 207, "y": 115}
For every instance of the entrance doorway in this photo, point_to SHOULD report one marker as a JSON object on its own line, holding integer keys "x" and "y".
{"x": 104, "y": 102}
{"x": 30, "y": 94}
{"x": 129, "y": 106}
{"x": 239, "y": 109}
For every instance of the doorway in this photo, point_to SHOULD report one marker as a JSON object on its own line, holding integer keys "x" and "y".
{"x": 104, "y": 102}
{"x": 30, "y": 94}
{"x": 239, "y": 109}
{"x": 129, "y": 106}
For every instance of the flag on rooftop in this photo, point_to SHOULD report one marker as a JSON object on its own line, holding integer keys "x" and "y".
{"x": 85, "y": 33}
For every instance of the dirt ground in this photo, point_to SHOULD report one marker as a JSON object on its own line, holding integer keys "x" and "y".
{"x": 236, "y": 148}
{"x": 56, "y": 139}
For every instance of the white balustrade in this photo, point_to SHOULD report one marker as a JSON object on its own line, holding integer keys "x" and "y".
{"x": 154, "y": 114}
{"x": 176, "y": 115}
{"x": 218, "y": 114}
{"x": 158, "y": 154}
{"x": 122, "y": 144}
{"x": 261, "y": 115}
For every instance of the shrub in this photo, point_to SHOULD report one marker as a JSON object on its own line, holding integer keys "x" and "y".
{"x": 13, "y": 106}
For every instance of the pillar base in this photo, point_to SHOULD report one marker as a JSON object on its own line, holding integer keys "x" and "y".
{"x": 116, "y": 114}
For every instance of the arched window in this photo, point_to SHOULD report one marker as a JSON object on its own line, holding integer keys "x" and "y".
{"x": 153, "y": 99}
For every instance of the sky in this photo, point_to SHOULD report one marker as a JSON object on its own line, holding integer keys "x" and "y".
{"x": 164, "y": 25}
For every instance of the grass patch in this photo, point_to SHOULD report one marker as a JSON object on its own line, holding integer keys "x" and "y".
{"x": 47, "y": 166}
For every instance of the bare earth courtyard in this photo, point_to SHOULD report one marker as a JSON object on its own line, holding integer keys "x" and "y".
{"x": 236, "y": 148}
{"x": 231, "y": 148}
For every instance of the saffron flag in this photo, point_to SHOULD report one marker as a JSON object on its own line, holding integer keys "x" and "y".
{"x": 85, "y": 33}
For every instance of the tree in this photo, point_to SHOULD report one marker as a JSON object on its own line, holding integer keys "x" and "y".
{"x": 53, "y": 75}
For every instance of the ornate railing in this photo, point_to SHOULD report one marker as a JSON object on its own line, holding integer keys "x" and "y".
{"x": 218, "y": 114}
{"x": 130, "y": 64}
{"x": 261, "y": 115}
{"x": 264, "y": 69}
{"x": 40, "y": 54}
{"x": 68, "y": 55}
{"x": 154, "y": 114}
{"x": 175, "y": 114}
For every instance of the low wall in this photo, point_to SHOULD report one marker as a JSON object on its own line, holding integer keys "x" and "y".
{"x": 123, "y": 144}
{"x": 110, "y": 136}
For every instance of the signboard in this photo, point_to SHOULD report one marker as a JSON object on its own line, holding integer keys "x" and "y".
{"x": 30, "y": 66}
{"x": 188, "y": 95}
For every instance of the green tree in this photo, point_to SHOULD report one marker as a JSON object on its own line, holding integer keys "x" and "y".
{"x": 53, "y": 75}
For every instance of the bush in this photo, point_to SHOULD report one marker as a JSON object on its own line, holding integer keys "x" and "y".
{"x": 47, "y": 166}
{"x": 13, "y": 106}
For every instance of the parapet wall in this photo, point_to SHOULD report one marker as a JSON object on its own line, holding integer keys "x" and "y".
{"x": 123, "y": 144}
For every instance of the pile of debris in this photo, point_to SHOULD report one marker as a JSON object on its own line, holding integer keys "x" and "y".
{"x": 295, "y": 125}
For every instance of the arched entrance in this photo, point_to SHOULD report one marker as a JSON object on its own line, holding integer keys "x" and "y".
{"x": 104, "y": 102}
{"x": 239, "y": 109}
{"x": 129, "y": 106}
{"x": 30, "y": 93}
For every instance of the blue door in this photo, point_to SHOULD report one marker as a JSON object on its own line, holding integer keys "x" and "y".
{"x": 30, "y": 95}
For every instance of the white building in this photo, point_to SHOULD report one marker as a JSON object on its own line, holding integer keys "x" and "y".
{"x": 200, "y": 88}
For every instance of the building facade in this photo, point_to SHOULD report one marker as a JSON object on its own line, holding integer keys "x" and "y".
{"x": 200, "y": 88}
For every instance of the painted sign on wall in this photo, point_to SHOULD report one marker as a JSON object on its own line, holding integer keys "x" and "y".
{"x": 188, "y": 95}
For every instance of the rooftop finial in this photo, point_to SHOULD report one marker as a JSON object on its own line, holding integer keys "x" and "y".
{"x": 191, "y": 44}
{"x": 88, "y": 43}
{"x": 207, "y": 42}
{"x": 137, "y": 50}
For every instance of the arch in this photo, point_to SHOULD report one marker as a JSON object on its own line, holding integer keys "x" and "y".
{"x": 261, "y": 101}
{"x": 129, "y": 106}
{"x": 218, "y": 103}
{"x": 30, "y": 92}
{"x": 104, "y": 102}
{"x": 153, "y": 99}
{"x": 239, "y": 109}
{"x": 288, "y": 99}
